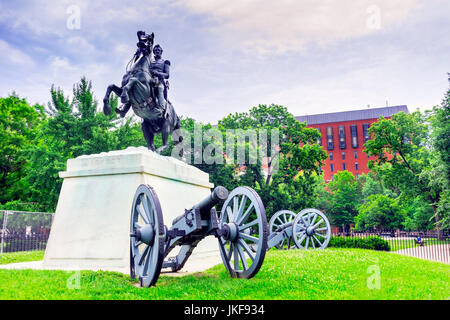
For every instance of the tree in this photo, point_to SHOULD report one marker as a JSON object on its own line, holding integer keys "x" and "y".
{"x": 344, "y": 199}
{"x": 19, "y": 125}
{"x": 438, "y": 174}
{"x": 299, "y": 158}
{"x": 404, "y": 152}
{"x": 419, "y": 214}
{"x": 380, "y": 212}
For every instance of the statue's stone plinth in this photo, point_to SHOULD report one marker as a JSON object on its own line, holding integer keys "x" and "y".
{"x": 90, "y": 229}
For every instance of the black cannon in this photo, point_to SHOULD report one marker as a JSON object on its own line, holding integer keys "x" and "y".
{"x": 241, "y": 229}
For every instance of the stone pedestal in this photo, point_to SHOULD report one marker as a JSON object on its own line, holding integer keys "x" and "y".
{"x": 90, "y": 229}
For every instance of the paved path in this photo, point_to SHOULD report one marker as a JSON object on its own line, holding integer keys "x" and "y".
{"x": 438, "y": 252}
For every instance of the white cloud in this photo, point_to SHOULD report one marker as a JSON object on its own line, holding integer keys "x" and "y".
{"x": 289, "y": 25}
{"x": 12, "y": 55}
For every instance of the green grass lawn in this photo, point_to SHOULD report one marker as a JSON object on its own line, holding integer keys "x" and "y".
{"x": 23, "y": 256}
{"x": 296, "y": 274}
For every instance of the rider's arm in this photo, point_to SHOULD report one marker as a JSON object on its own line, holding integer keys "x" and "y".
{"x": 165, "y": 73}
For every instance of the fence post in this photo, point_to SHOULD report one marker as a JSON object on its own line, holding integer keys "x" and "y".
{"x": 5, "y": 220}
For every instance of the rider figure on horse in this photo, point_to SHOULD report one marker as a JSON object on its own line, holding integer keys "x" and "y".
{"x": 159, "y": 69}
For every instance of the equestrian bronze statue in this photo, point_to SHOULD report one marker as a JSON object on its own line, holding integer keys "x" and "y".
{"x": 144, "y": 89}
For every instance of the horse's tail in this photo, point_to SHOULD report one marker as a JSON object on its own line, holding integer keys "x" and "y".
{"x": 177, "y": 126}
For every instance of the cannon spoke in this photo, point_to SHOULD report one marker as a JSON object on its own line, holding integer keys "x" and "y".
{"x": 320, "y": 243}
{"x": 229, "y": 214}
{"x": 318, "y": 223}
{"x": 247, "y": 249}
{"x": 236, "y": 258}
{"x": 248, "y": 225}
{"x": 144, "y": 254}
{"x": 243, "y": 259}
{"x": 246, "y": 236}
{"x": 147, "y": 209}
{"x": 314, "y": 219}
{"x": 142, "y": 214}
{"x": 244, "y": 217}
{"x": 241, "y": 207}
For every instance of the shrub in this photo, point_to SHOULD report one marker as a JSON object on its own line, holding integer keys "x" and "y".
{"x": 373, "y": 243}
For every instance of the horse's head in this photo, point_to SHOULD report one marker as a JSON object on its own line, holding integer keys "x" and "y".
{"x": 145, "y": 43}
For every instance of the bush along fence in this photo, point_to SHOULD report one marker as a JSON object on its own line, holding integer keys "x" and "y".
{"x": 421, "y": 244}
{"x": 24, "y": 231}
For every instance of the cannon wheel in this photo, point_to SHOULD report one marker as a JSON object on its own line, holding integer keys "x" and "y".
{"x": 279, "y": 219}
{"x": 147, "y": 236}
{"x": 311, "y": 228}
{"x": 244, "y": 245}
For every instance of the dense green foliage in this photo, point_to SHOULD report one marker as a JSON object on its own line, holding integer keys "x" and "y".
{"x": 407, "y": 188}
{"x": 293, "y": 172}
{"x": 412, "y": 159}
{"x": 285, "y": 274}
{"x": 344, "y": 198}
{"x": 19, "y": 124}
{"x": 380, "y": 212}
{"x": 372, "y": 243}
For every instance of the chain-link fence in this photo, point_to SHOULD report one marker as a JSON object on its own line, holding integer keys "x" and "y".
{"x": 23, "y": 230}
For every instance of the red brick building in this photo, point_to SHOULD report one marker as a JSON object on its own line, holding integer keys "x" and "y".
{"x": 344, "y": 135}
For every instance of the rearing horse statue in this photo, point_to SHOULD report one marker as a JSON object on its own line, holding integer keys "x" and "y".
{"x": 138, "y": 92}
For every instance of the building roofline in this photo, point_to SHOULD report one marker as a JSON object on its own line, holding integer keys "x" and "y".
{"x": 371, "y": 113}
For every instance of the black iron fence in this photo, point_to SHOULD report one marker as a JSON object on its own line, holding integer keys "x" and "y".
{"x": 24, "y": 231}
{"x": 431, "y": 244}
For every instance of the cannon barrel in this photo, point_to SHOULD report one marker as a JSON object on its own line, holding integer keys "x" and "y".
{"x": 219, "y": 194}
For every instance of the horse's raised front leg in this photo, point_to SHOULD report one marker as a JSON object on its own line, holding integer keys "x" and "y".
{"x": 148, "y": 135}
{"x": 124, "y": 98}
{"x": 111, "y": 88}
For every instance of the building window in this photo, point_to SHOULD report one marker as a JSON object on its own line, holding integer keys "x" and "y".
{"x": 354, "y": 133}
{"x": 330, "y": 145}
{"x": 331, "y": 156}
{"x": 366, "y": 132}
{"x": 319, "y": 140}
{"x": 343, "y": 155}
{"x": 344, "y": 167}
{"x": 331, "y": 168}
{"x": 342, "y": 144}
{"x": 356, "y": 166}
{"x": 355, "y": 154}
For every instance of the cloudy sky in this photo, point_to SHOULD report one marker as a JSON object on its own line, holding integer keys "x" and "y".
{"x": 311, "y": 56}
